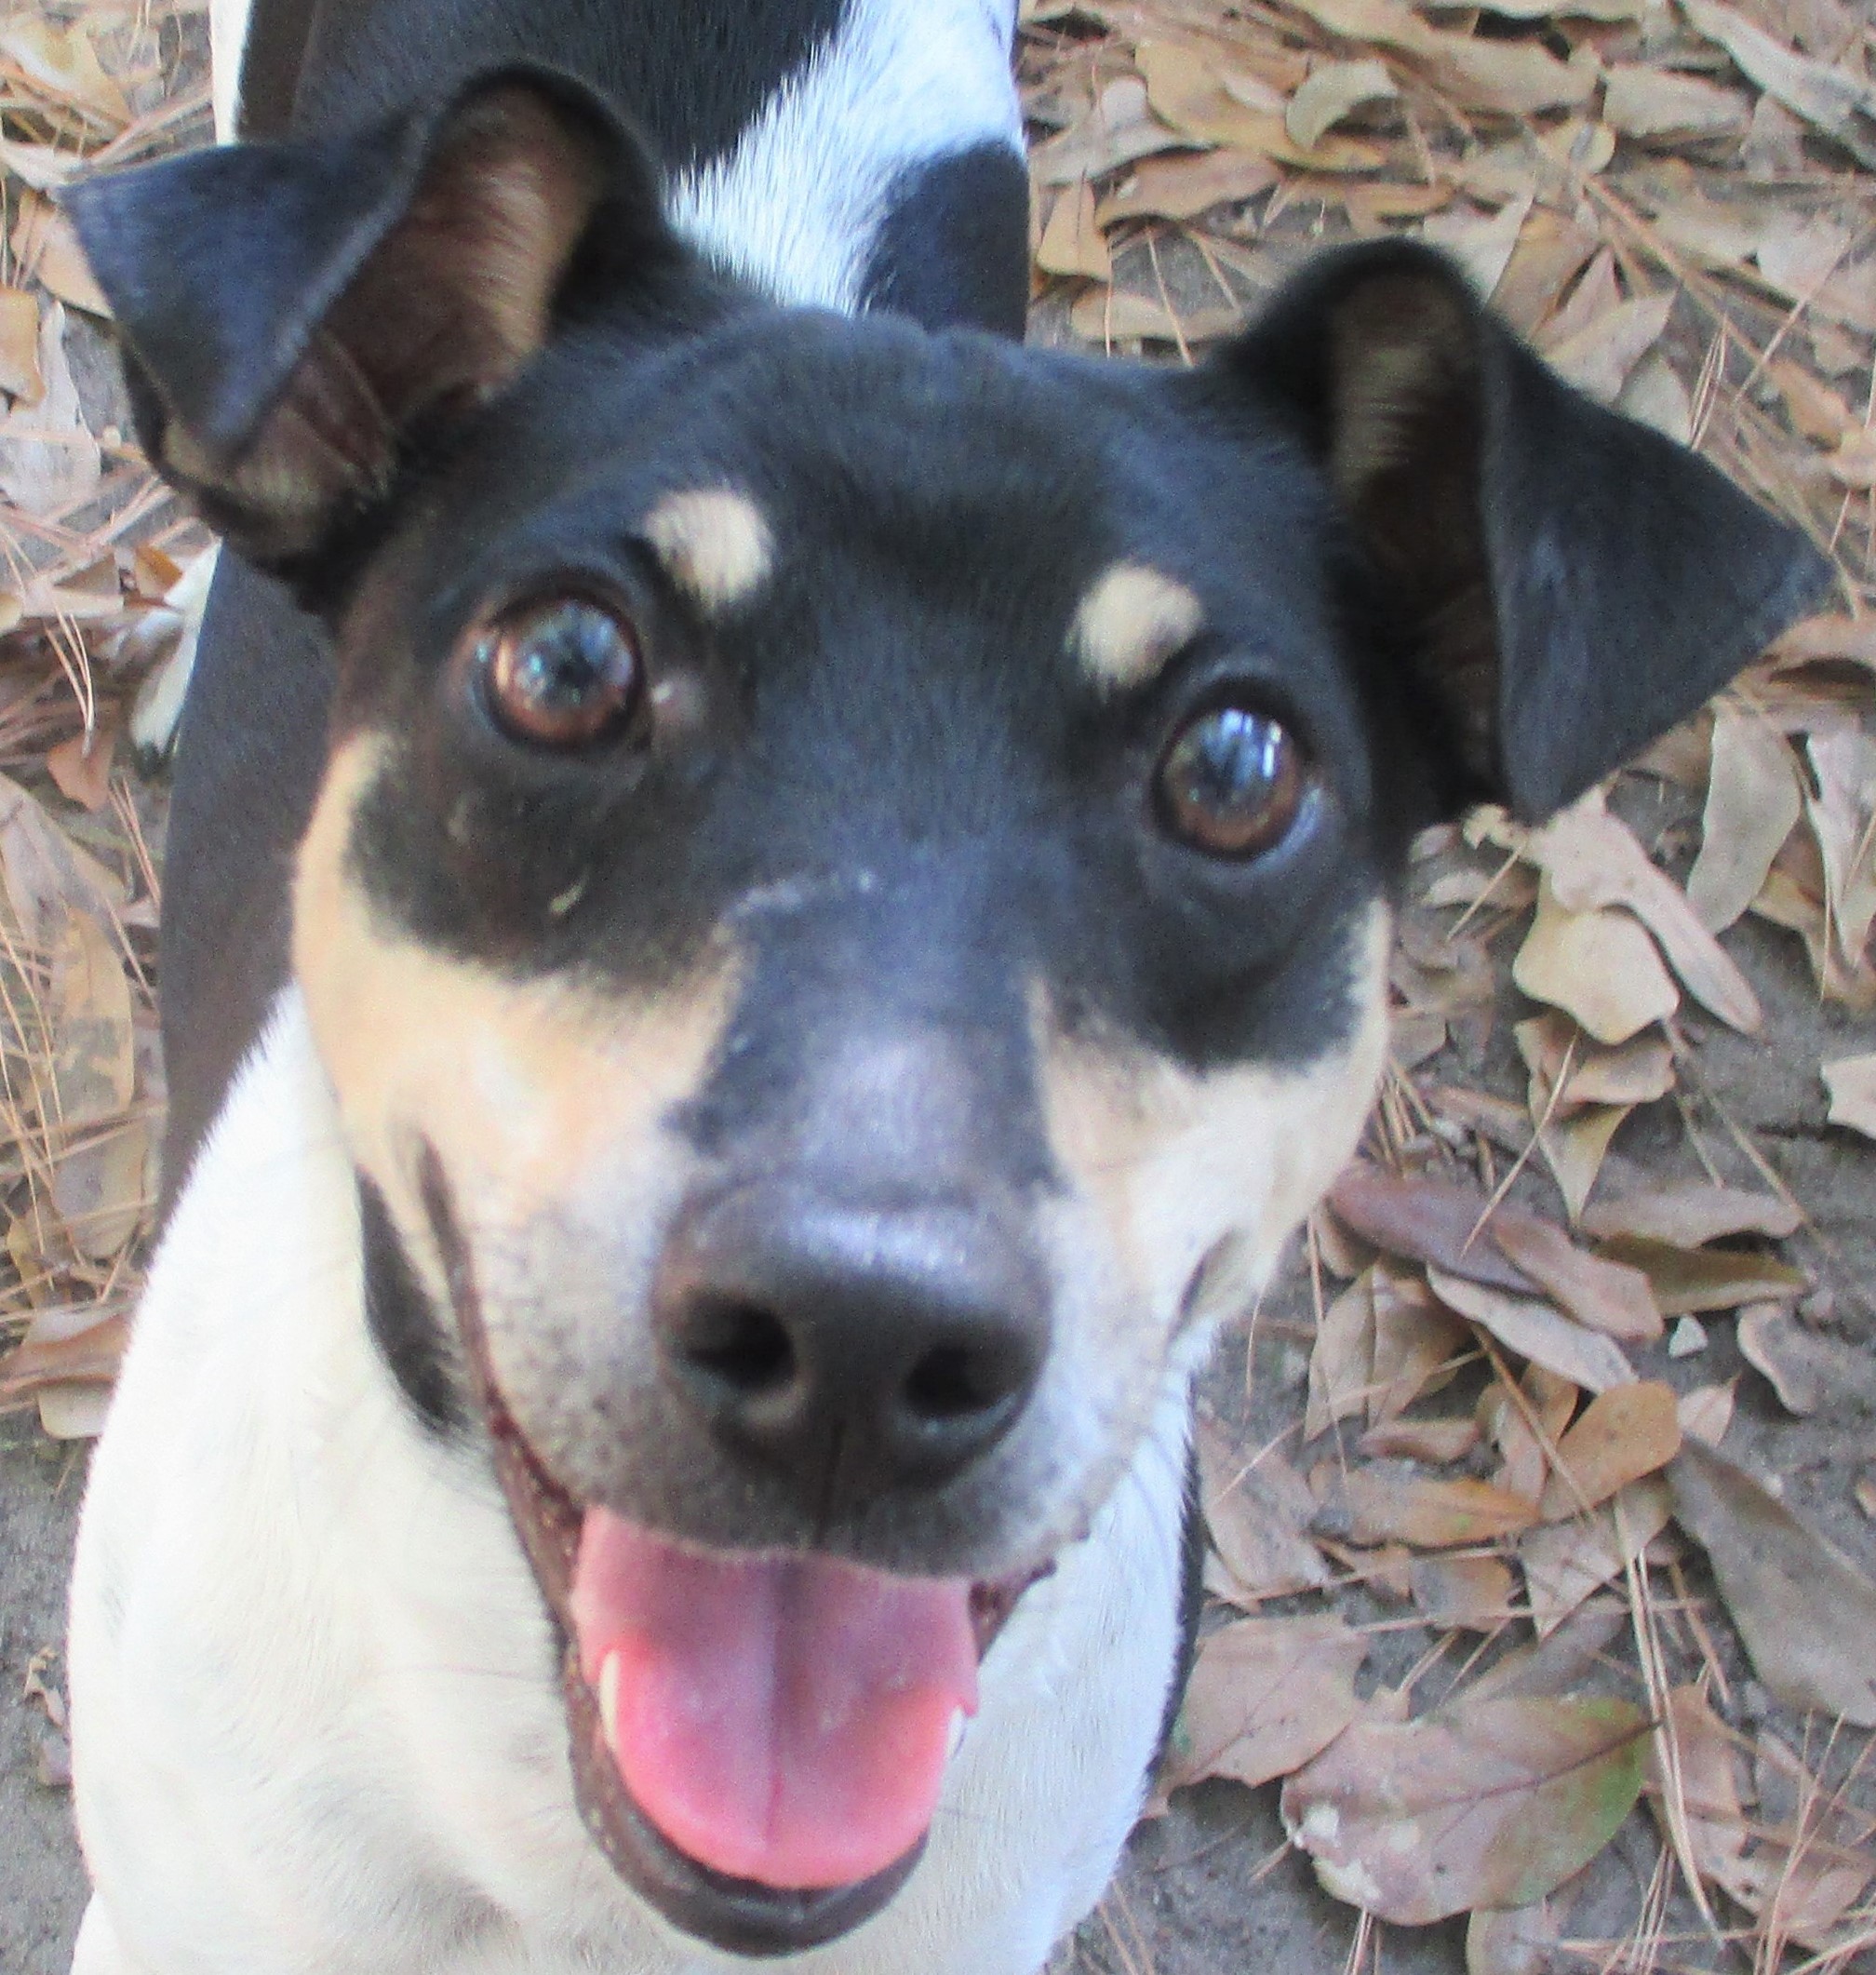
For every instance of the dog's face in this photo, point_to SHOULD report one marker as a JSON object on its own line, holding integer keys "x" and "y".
{"x": 847, "y": 911}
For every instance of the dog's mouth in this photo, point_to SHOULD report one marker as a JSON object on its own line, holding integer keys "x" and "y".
{"x": 758, "y": 1740}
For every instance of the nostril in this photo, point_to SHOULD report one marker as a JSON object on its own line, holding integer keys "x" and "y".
{"x": 741, "y": 1346}
{"x": 959, "y": 1381}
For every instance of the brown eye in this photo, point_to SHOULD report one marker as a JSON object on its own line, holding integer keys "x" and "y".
{"x": 565, "y": 674}
{"x": 1231, "y": 782}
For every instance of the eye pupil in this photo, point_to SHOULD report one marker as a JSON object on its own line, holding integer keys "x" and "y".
{"x": 1231, "y": 782}
{"x": 561, "y": 675}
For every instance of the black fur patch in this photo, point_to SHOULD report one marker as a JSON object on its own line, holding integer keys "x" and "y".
{"x": 406, "y": 1329}
{"x": 954, "y": 246}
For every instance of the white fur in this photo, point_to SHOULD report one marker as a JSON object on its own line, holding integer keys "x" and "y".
{"x": 318, "y": 1727}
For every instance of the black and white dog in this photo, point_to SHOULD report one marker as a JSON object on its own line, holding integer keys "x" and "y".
{"x": 774, "y": 903}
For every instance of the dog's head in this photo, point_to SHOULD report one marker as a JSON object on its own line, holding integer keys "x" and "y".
{"x": 847, "y": 909}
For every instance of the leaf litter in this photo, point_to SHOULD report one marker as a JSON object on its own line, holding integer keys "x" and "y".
{"x": 1675, "y": 203}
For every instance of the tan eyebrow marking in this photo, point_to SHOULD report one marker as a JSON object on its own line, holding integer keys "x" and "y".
{"x": 714, "y": 546}
{"x": 1131, "y": 623}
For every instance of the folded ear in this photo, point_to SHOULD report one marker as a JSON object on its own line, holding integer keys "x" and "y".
{"x": 296, "y": 315}
{"x": 1572, "y": 584}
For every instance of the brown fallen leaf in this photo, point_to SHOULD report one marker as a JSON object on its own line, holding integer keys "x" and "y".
{"x": 1117, "y": 130}
{"x": 1537, "y": 1331}
{"x": 1574, "y": 1147}
{"x": 1560, "y": 1662}
{"x": 81, "y": 765}
{"x": 1418, "y": 1345}
{"x": 1691, "y": 1217}
{"x": 1592, "y": 859}
{"x": 1805, "y": 1611}
{"x": 64, "y": 1346}
{"x": 1342, "y": 1361}
{"x": 1516, "y": 1940}
{"x": 1473, "y": 1594}
{"x": 1384, "y": 1506}
{"x": 1706, "y": 1411}
{"x": 1492, "y": 1804}
{"x": 49, "y": 460}
{"x": 19, "y": 373}
{"x": 1439, "y": 1442}
{"x": 1599, "y": 967}
{"x": 1553, "y": 1047}
{"x": 1824, "y": 94}
{"x": 1525, "y": 1426}
{"x": 1265, "y": 1695}
{"x": 59, "y": 64}
{"x": 1071, "y": 243}
{"x": 1753, "y": 802}
{"x": 1426, "y": 1220}
{"x": 1183, "y": 187}
{"x": 1685, "y": 1280}
{"x": 1623, "y": 1433}
{"x": 1812, "y": 1373}
{"x": 1644, "y": 101}
{"x": 1108, "y": 315}
{"x": 1599, "y": 358}
{"x": 1189, "y": 94}
{"x": 1563, "y": 1562}
{"x": 1333, "y": 90}
{"x": 1257, "y": 1514}
{"x": 1693, "y": 1760}
{"x": 1852, "y": 1083}
{"x": 1481, "y": 243}
{"x": 1604, "y": 1295}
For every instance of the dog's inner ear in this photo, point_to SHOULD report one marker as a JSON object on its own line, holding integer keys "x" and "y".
{"x": 1565, "y": 582}
{"x": 445, "y": 309}
{"x": 367, "y": 292}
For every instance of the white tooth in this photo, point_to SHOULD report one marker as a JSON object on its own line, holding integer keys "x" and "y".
{"x": 955, "y": 1741}
{"x": 608, "y": 1698}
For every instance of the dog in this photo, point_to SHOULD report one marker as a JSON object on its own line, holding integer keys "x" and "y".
{"x": 775, "y": 905}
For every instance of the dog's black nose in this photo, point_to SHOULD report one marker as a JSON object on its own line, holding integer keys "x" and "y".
{"x": 850, "y": 1348}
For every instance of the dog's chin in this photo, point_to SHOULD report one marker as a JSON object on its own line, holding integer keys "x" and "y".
{"x": 741, "y": 1915}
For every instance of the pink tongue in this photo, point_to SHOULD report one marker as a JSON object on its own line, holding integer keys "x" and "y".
{"x": 780, "y": 1719}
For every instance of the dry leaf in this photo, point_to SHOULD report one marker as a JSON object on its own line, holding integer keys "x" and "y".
{"x": 1536, "y": 1331}
{"x": 45, "y": 244}
{"x": 1599, "y": 358}
{"x": 1385, "y": 1506}
{"x": 81, "y": 764}
{"x": 93, "y": 1068}
{"x": 1483, "y": 245}
{"x": 1685, "y": 1280}
{"x": 1591, "y": 858}
{"x": 1256, "y": 1515}
{"x": 1492, "y": 1804}
{"x": 1188, "y": 93}
{"x": 1701, "y": 1781}
{"x": 1604, "y": 1294}
{"x": 1426, "y": 1220}
{"x": 1331, "y": 91}
{"x": 1071, "y": 243}
{"x": 1706, "y": 1411}
{"x": 1181, "y": 188}
{"x": 1436, "y": 1442}
{"x": 60, "y": 65}
{"x": 1811, "y": 1372}
{"x": 1117, "y": 132}
{"x": 1526, "y": 1425}
{"x": 49, "y": 460}
{"x": 1691, "y": 1217}
{"x": 1418, "y": 1344}
{"x": 1108, "y": 315}
{"x": 1636, "y": 1071}
{"x": 64, "y": 1347}
{"x": 72, "y": 1412}
{"x": 1825, "y": 94}
{"x": 1644, "y": 101}
{"x": 1563, "y": 1562}
{"x": 1576, "y": 1147}
{"x": 1623, "y": 1433}
{"x": 1805, "y": 1612}
{"x": 1342, "y": 1361}
{"x": 1519, "y": 1941}
{"x": 1473, "y": 1594}
{"x": 1753, "y": 802}
{"x": 1265, "y": 1695}
{"x": 20, "y": 374}
{"x": 1599, "y": 967}
{"x": 1852, "y": 1083}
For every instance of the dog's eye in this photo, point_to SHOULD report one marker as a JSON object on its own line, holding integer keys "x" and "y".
{"x": 565, "y": 674}
{"x": 1231, "y": 782}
